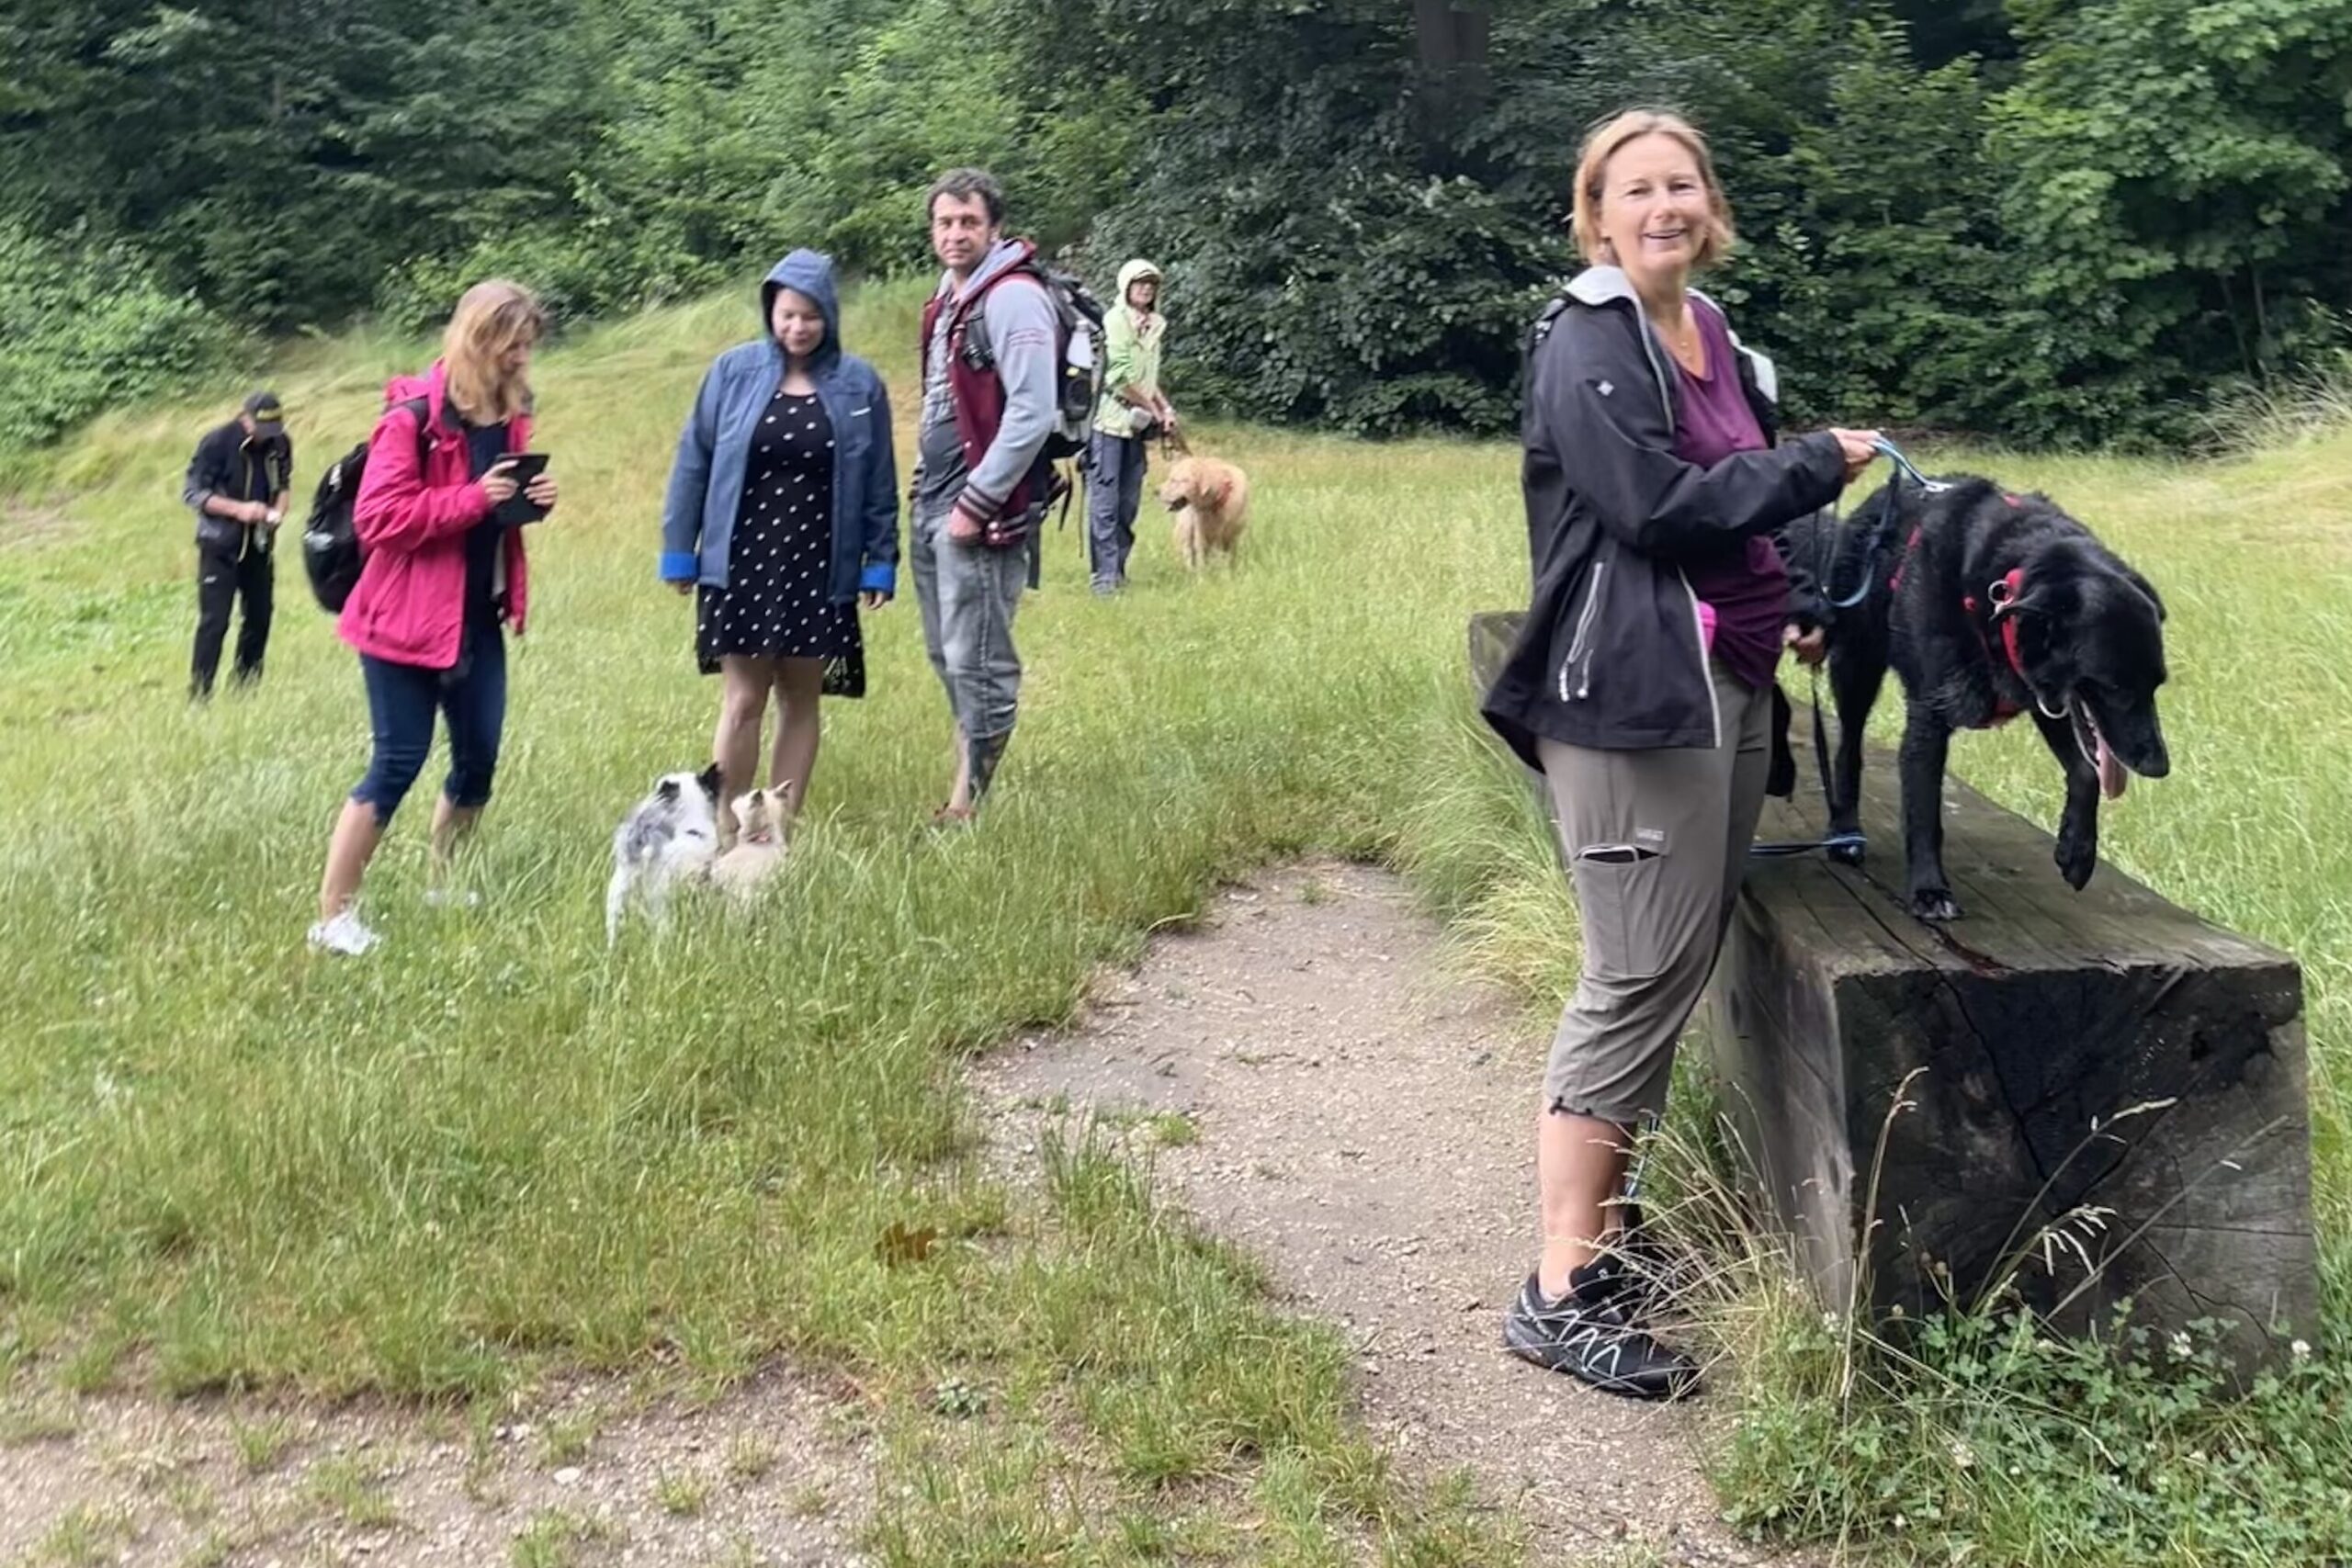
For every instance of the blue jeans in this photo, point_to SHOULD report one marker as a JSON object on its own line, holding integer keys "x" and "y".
{"x": 400, "y": 703}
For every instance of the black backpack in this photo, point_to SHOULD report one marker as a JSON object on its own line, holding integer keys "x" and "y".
{"x": 1078, "y": 356}
{"x": 330, "y": 552}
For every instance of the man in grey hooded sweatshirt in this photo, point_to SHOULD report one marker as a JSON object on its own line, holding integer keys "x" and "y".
{"x": 981, "y": 485}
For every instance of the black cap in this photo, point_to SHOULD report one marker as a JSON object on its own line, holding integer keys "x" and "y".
{"x": 264, "y": 408}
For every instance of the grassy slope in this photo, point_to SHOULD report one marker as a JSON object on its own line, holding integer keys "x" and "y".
{"x": 496, "y": 1143}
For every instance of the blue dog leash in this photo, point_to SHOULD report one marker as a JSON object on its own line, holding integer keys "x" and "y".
{"x": 1894, "y": 455}
{"x": 1875, "y": 551}
{"x": 1780, "y": 848}
{"x": 1884, "y": 533}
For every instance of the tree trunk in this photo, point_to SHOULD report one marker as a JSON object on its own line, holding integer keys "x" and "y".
{"x": 1450, "y": 42}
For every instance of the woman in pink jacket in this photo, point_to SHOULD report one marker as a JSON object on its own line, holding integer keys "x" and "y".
{"x": 441, "y": 580}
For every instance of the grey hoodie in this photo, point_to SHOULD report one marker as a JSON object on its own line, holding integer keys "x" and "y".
{"x": 1018, "y": 326}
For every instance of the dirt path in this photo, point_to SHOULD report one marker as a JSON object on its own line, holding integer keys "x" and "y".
{"x": 771, "y": 1475}
{"x": 1363, "y": 1127}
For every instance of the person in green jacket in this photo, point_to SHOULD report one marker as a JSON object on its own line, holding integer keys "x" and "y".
{"x": 1131, "y": 411}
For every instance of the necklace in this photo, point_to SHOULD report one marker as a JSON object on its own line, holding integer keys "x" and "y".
{"x": 1685, "y": 344}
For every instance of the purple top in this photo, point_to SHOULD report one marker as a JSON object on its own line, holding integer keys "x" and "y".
{"x": 1743, "y": 587}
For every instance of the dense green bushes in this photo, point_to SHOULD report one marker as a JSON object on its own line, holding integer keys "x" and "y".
{"x": 83, "y": 328}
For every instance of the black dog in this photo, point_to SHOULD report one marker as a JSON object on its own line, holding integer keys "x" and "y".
{"x": 1987, "y": 605}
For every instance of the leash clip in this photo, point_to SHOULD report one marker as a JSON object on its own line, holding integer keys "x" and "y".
{"x": 1909, "y": 469}
{"x": 2002, "y": 597}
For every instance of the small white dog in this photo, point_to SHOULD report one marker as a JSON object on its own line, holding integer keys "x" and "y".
{"x": 758, "y": 849}
{"x": 668, "y": 837}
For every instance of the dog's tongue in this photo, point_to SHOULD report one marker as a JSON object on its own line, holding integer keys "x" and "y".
{"x": 2112, "y": 777}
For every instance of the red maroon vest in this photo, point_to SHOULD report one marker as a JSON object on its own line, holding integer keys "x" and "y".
{"x": 976, "y": 393}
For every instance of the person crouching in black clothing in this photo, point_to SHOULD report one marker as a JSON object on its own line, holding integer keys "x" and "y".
{"x": 237, "y": 483}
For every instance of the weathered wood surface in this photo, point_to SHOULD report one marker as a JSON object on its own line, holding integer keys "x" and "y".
{"x": 2101, "y": 1065}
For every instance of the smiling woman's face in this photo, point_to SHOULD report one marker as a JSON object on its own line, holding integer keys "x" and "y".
{"x": 798, "y": 321}
{"x": 1653, "y": 208}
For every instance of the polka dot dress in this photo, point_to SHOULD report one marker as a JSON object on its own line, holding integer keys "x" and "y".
{"x": 777, "y": 602}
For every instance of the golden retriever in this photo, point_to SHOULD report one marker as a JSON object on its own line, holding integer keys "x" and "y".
{"x": 1211, "y": 500}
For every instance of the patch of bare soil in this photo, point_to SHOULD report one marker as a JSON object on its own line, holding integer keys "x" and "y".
{"x": 776, "y": 1473}
{"x": 1363, "y": 1125}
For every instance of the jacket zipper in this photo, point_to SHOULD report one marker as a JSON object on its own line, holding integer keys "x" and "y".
{"x": 245, "y": 482}
{"x": 1698, "y": 623}
{"x": 1658, "y": 371}
{"x": 1706, "y": 679}
{"x": 1576, "y": 643}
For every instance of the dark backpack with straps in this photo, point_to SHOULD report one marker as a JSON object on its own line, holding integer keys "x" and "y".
{"x": 1078, "y": 353}
{"x": 330, "y": 549}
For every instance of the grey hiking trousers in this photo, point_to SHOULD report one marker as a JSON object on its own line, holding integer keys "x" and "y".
{"x": 967, "y": 594}
{"x": 1656, "y": 843}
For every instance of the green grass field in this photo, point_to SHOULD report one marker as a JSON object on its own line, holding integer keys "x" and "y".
{"x": 493, "y": 1147}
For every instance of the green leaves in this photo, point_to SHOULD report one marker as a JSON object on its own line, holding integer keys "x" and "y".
{"x": 2044, "y": 222}
{"x": 83, "y": 328}
{"x": 2176, "y": 177}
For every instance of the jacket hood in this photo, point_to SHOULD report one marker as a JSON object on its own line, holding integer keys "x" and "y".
{"x": 1004, "y": 256}
{"x": 400, "y": 388}
{"x": 1133, "y": 270}
{"x": 1606, "y": 285}
{"x": 1602, "y": 286}
{"x": 432, "y": 385}
{"x": 810, "y": 273}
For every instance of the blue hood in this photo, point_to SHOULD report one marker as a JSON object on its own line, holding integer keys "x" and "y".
{"x": 810, "y": 273}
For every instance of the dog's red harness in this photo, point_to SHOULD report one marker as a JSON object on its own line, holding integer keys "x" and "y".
{"x": 2003, "y": 594}
{"x": 1894, "y": 583}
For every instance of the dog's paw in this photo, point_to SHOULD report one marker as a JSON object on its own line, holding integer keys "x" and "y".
{"x": 2077, "y": 857}
{"x": 1934, "y": 904}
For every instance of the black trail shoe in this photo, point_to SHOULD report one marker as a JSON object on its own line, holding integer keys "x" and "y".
{"x": 1592, "y": 1333}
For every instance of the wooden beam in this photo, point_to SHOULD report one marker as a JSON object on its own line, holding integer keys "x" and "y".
{"x": 2094, "y": 1095}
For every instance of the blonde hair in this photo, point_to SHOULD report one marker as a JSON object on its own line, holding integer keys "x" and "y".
{"x": 491, "y": 319}
{"x": 1602, "y": 143}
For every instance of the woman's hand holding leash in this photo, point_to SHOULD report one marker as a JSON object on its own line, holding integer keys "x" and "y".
{"x": 1859, "y": 449}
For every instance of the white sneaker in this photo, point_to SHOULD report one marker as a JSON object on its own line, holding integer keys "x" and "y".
{"x": 344, "y": 935}
{"x": 452, "y": 899}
